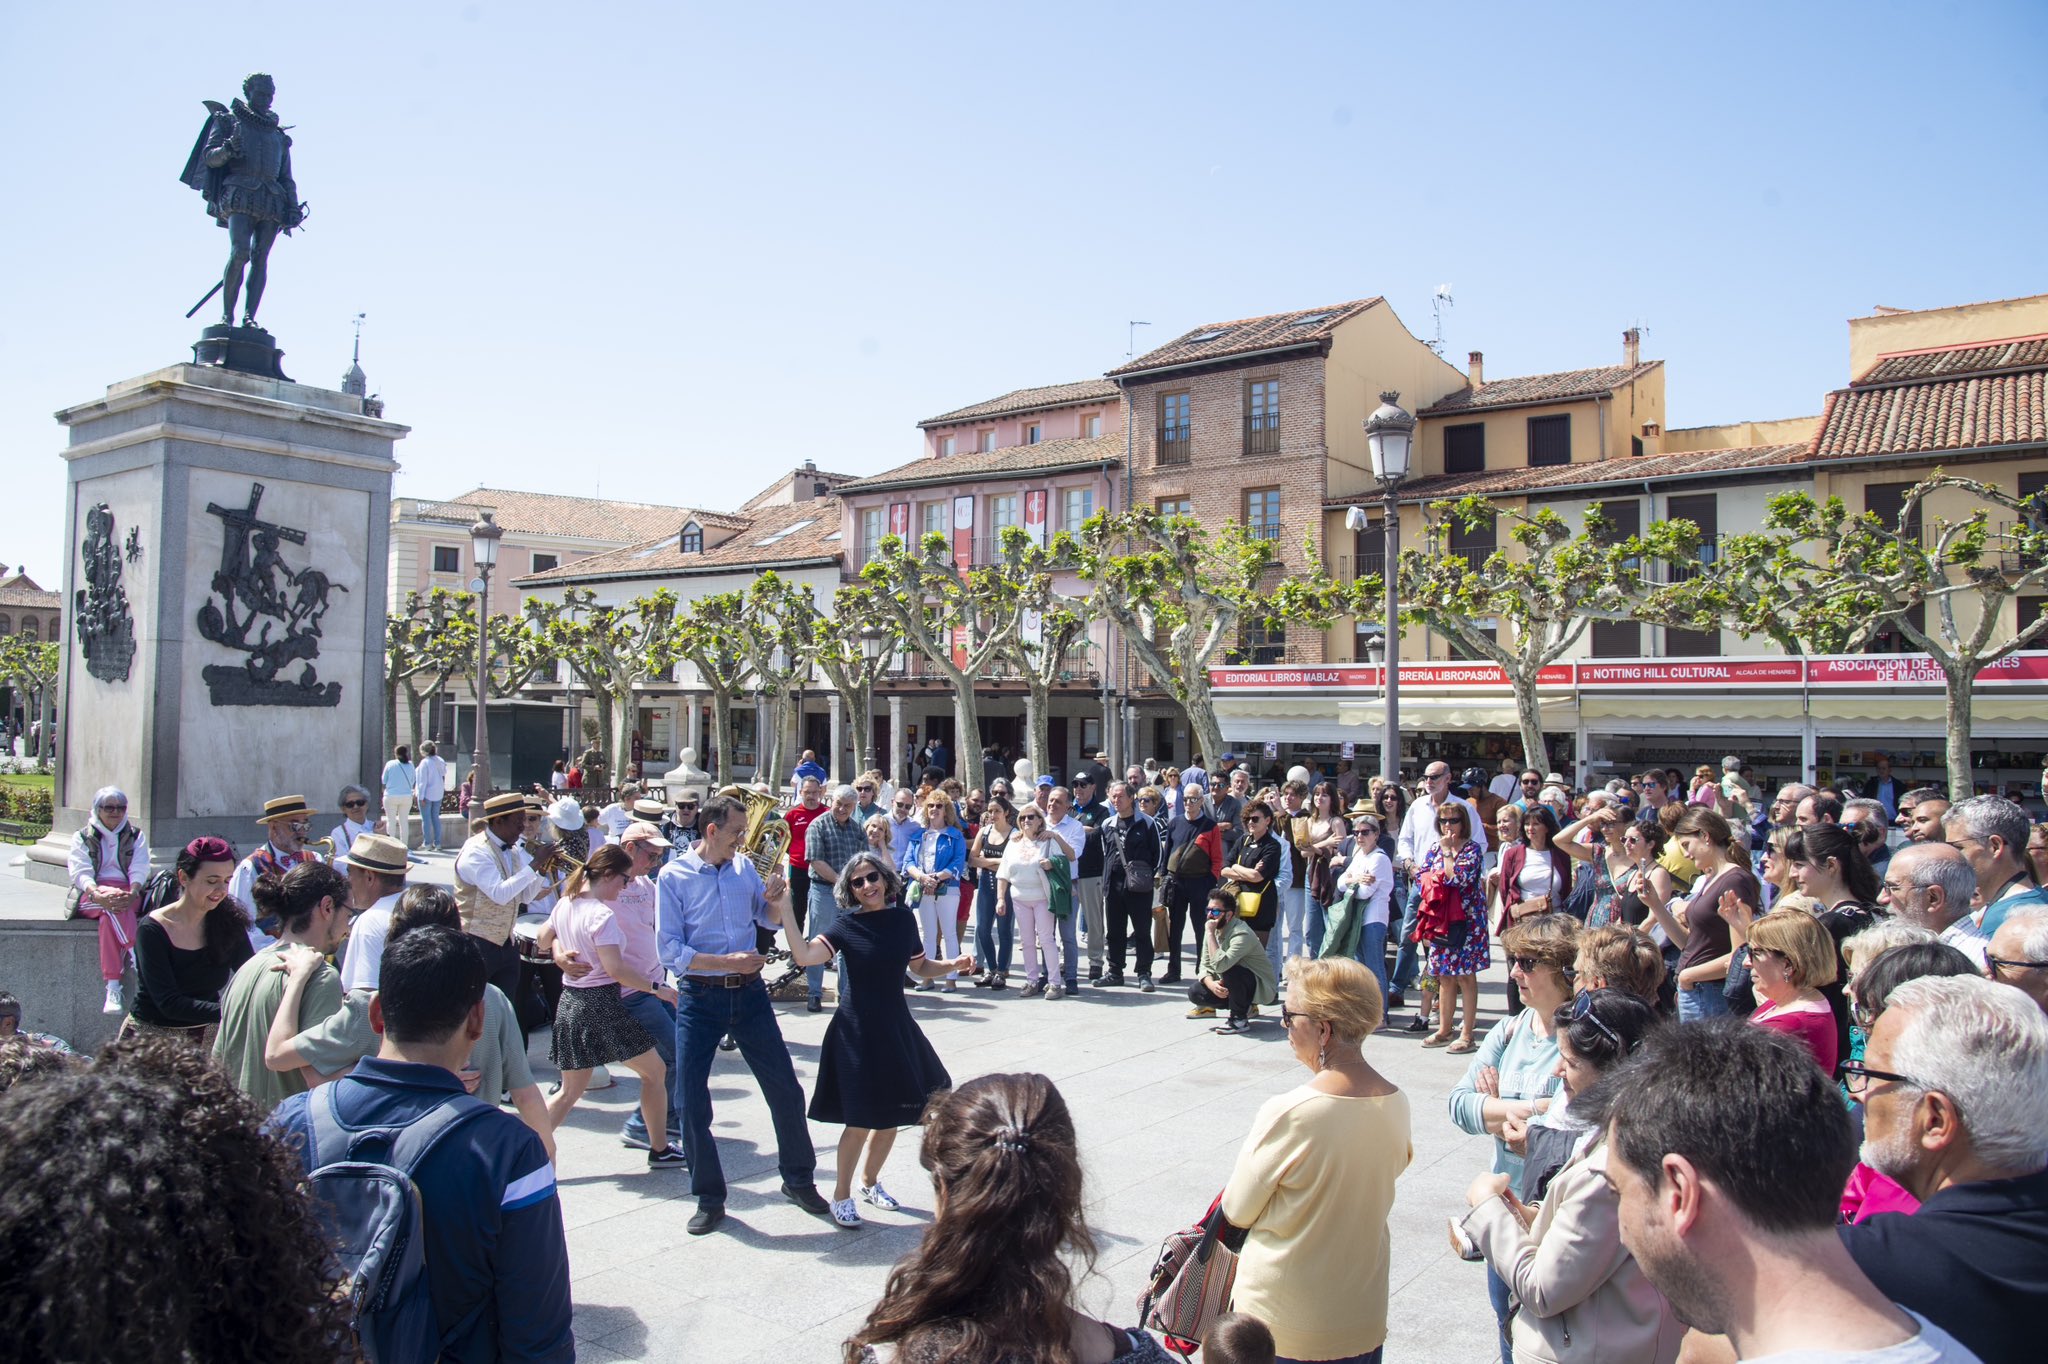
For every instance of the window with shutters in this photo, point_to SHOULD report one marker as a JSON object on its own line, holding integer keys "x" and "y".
{"x": 1703, "y": 511}
{"x": 1465, "y": 448}
{"x": 1262, "y": 417}
{"x": 1619, "y": 638}
{"x": 1175, "y": 428}
{"x": 1550, "y": 440}
{"x": 1886, "y": 501}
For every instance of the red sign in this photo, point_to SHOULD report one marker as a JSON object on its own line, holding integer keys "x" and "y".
{"x": 899, "y": 520}
{"x": 1412, "y": 675}
{"x": 1034, "y": 516}
{"x": 1705, "y": 672}
{"x": 1918, "y": 670}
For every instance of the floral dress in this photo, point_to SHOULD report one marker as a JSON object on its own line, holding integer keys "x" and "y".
{"x": 1465, "y": 875}
{"x": 1601, "y": 912}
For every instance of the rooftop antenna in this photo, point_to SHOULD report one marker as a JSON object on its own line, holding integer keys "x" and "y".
{"x": 1438, "y": 302}
{"x": 1131, "y": 340}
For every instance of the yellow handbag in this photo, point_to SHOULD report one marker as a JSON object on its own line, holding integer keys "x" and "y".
{"x": 1249, "y": 903}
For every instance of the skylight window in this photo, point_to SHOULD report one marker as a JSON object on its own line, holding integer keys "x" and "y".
{"x": 1312, "y": 320}
{"x": 786, "y": 531}
{"x": 1210, "y": 335}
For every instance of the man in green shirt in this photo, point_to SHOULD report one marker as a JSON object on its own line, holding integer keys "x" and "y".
{"x": 311, "y": 902}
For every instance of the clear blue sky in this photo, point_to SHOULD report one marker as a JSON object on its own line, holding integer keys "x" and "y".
{"x": 673, "y": 250}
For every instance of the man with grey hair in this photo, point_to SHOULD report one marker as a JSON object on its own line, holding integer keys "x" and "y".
{"x": 1954, "y": 1088}
{"x": 1871, "y": 825}
{"x": 2018, "y": 954}
{"x": 1930, "y": 885}
{"x": 829, "y": 842}
{"x": 1992, "y": 833}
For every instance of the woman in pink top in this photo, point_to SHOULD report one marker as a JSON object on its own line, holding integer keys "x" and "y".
{"x": 1790, "y": 957}
{"x": 592, "y": 1026}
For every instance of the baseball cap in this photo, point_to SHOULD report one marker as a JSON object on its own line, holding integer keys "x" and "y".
{"x": 640, "y": 831}
{"x": 1047, "y": 781}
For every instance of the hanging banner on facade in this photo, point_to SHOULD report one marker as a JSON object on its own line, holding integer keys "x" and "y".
{"x": 1915, "y": 671}
{"x": 899, "y": 521}
{"x": 963, "y": 533}
{"x": 1690, "y": 672}
{"x": 1918, "y": 670}
{"x": 1034, "y": 516}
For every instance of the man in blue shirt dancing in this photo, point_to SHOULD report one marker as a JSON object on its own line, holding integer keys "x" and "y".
{"x": 710, "y": 902}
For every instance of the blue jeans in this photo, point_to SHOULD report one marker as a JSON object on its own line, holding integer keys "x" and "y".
{"x": 1407, "y": 963}
{"x": 709, "y": 1012}
{"x": 430, "y": 822}
{"x": 1293, "y": 907}
{"x": 1372, "y": 951}
{"x": 824, "y": 912}
{"x": 1318, "y": 925}
{"x": 1702, "y": 1001}
{"x": 994, "y": 936}
{"x": 657, "y": 1018}
{"x": 1498, "y": 1293}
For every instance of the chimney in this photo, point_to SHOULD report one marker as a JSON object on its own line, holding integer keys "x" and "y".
{"x": 1651, "y": 430}
{"x": 1475, "y": 369}
{"x": 1631, "y": 348}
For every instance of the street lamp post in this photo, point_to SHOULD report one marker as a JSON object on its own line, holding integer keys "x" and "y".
{"x": 871, "y": 642}
{"x": 483, "y": 544}
{"x": 1390, "y": 435}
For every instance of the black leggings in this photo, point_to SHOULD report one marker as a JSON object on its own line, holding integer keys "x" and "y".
{"x": 1238, "y": 980}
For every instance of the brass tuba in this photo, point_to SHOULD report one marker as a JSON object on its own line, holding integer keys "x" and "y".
{"x": 766, "y": 840}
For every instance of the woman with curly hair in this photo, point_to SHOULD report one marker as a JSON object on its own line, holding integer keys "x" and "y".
{"x": 187, "y": 951}
{"x": 989, "y": 1281}
{"x": 176, "y": 1212}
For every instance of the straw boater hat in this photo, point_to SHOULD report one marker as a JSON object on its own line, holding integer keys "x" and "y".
{"x": 652, "y": 811}
{"x": 1362, "y": 806}
{"x": 375, "y": 852}
{"x": 505, "y": 803}
{"x": 285, "y": 807}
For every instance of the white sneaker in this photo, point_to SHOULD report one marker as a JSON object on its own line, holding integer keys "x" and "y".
{"x": 876, "y": 1196}
{"x": 1056, "y": 992}
{"x": 845, "y": 1213}
{"x": 113, "y": 1004}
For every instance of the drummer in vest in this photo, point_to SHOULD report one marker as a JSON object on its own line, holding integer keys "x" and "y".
{"x": 376, "y": 877}
{"x": 109, "y": 862}
{"x": 493, "y": 877}
{"x": 286, "y": 820}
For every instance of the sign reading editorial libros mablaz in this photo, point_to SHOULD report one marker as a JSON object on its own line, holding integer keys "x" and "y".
{"x": 267, "y": 610}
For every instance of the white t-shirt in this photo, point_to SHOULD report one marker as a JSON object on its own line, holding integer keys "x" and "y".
{"x": 1932, "y": 1346}
{"x": 362, "y": 964}
{"x": 1380, "y": 868}
{"x": 1538, "y": 876}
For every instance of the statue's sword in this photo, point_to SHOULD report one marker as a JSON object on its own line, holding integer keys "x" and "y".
{"x": 217, "y": 286}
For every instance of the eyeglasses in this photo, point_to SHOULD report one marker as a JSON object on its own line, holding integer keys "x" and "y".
{"x": 1288, "y": 1016}
{"x": 1856, "y": 1078}
{"x": 856, "y": 882}
{"x": 110, "y": 805}
{"x": 1032, "y": 819}
{"x": 1993, "y": 965}
{"x": 683, "y": 805}
{"x": 1582, "y": 1008}
{"x": 1963, "y": 844}
{"x": 354, "y": 804}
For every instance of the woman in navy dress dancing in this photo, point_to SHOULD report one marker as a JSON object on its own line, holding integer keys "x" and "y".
{"x": 876, "y": 1071}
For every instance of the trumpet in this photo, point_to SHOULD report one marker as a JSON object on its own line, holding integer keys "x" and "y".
{"x": 549, "y": 857}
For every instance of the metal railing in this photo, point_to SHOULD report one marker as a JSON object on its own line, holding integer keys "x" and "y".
{"x": 1175, "y": 444}
{"x": 1262, "y": 434}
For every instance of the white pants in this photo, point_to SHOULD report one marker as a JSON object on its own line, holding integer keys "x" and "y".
{"x": 1037, "y": 930}
{"x": 938, "y": 916}
{"x": 397, "y": 820}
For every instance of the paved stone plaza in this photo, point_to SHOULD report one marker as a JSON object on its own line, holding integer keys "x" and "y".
{"x": 1162, "y": 1105}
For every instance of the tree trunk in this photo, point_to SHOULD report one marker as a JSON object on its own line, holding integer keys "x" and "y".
{"x": 1529, "y": 719}
{"x": 1206, "y": 729}
{"x": 415, "y": 711}
{"x": 966, "y": 726}
{"x": 607, "y": 736}
{"x": 1959, "y": 681}
{"x": 863, "y": 723}
{"x": 1037, "y": 722}
{"x": 42, "y": 726}
{"x": 721, "y": 733}
{"x": 625, "y": 716}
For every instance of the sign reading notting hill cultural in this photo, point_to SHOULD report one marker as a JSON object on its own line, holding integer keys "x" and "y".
{"x": 266, "y": 610}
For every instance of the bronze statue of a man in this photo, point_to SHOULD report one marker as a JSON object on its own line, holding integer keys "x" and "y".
{"x": 242, "y": 165}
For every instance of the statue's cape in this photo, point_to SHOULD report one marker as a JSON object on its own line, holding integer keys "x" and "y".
{"x": 200, "y": 176}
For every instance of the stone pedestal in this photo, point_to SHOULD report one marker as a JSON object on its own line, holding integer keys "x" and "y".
{"x": 226, "y": 597}
{"x": 251, "y": 350}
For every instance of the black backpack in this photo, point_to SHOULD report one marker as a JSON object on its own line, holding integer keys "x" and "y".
{"x": 370, "y": 1210}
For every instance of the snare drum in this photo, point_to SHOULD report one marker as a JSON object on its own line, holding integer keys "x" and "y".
{"x": 526, "y": 938}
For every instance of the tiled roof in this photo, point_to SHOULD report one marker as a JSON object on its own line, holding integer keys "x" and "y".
{"x": 1539, "y": 388}
{"x": 1026, "y": 399}
{"x": 20, "y": 592}
{"x": 1045, "y": 457}
{"x": 1627, "y": 470}
{"x": 2029, "y": 352}
{"x": 1935, "y": 415}
{"x": 784, "y": 535}
{"x": 1220, "y": 340}
{"x": 584, "y": 518}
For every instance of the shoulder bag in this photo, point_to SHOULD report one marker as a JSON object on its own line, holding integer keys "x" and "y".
{"x": 1189, "y": 1286}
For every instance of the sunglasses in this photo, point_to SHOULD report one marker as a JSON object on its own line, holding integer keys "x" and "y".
{"x": 354, "y": 804}
{"x": 682, "y": 805}
{"x": 856, "y": 882}
{"x": 1288, "y": 1016}
{"x": 1582, "y": 1008}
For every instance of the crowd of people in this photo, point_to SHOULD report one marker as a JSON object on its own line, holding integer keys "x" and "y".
{"x": 1772, "y": 1081}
